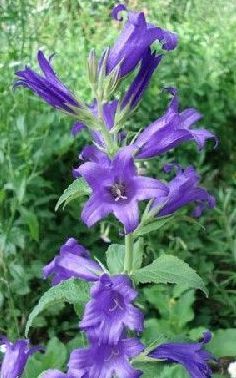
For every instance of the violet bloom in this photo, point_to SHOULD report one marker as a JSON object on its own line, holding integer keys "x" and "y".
{"x": 117, "y": 189}
{"x": 47, "y": 86}
{"x": 110, "y": 309}
{"x": 73, "y": 261}
{"x": 135, "y": 39}
{"x": 15, "y": 357}
{"x": 184, "y": 189}
{"x": 105, "y": 360}
{"x": 170, "y": 130}
{"x": 191, "y": 355}
{"x": 149, "y": 63}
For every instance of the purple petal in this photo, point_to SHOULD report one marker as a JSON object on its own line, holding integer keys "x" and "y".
{"x": 116, "y": 10}
{"x": 128, "y": 215}
{"x": 94, "y": 210}
{"x": 77, "y": 128}
{"x": 148, "y": 188}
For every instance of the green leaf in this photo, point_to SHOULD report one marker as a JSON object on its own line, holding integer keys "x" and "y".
{"x": 31, "y": 220}
{"x": 72, "y": 291}
{"x": 115, "y": 258}
{"x": 154, "y": 226}
{"x": 138, "y": 254}
{"x": 223, "y": 343}
{"x": 77, "y": 189}
{"x": 170, "y": 269}
{"x": 160, "y": 370}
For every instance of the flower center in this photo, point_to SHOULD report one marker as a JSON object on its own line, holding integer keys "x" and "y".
{"x": 118, "y": 192}
{"x": 114, "y": 353}
{"x": 116, "y": 304}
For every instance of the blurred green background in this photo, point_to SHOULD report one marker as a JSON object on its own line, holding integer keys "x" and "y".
{"x": 37, "y": 153}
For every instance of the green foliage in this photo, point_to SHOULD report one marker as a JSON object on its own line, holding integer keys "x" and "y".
{"x": 75, "y": 190}
{"x": 71, "y": 291}
{"x": 170, "y": 269}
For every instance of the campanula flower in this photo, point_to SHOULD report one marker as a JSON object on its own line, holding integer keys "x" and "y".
{"x": 191, "y": 355}
{"x": 47, "y": 86}
{"x": 135, "y": 39}
{"x": 184, "y": 189}
{"x": 73, "y": 261}
{"x": 106, "y": 360}
{"x": 110, "y": 309}
{"x": 15, "y": 357}
{"x": 117, "y": 189}
{"x": 170, "y": 130}
{"x": 149, "y": 63}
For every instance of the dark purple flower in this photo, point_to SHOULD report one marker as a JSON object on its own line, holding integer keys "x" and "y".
{"x": 73, "y": 261}
{"x": 110, "y": 309}
{"x": 170, "y": 130}
{"x": 47, "y": 86}
{"x": 134, "y": 41}
{"x": 184, "y": 189}
{"x": 149, "y": 63}
{"x": 15, "y": 357}
{"x": 105, "y": 360}
{"x": 117, "y": 189}
{"x": 191, "y": 355}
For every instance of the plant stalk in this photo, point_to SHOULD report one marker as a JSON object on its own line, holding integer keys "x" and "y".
{"x": 129, "y": 248}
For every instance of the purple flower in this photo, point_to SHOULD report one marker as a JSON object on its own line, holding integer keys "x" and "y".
{"x": 135, "y": 39}
{"x": 47, "y": 86}
{"x": 149, "y": 63}
{"x": 184, "y": 189}
{"x": 117, "y": 189}
{"x": 105, "y": 360}
{"x": 110, "y": 309}
{"x": 170, "y": 130}
{"x": 15, "y": 357}
{"x": 190, "y": 355}
{"x": 73, "y": 261}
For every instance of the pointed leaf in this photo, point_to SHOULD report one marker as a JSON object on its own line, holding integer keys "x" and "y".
{"x": 72, "y": 291}
{"x": 170, "y": 269}
{"x": 77, "y": 189}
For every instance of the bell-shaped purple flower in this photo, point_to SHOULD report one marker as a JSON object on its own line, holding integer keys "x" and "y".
{"x": 183, "y": 189}
{"x": 117, "y": 189}
{"x": 73, "y": 261}
{"x": 149, "y": 63}
{"x": 172, "y": 129}
{"x": 106, "y": 360}
{"x": 110, "y": 309}
{"x": 47, "y": 86}
{"x": 135, "y": 39}
{"x": 191, "y": 355}
{"x": 15, "y": 357}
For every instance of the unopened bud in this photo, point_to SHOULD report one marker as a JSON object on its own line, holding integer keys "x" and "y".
{"x": 92, "y": 67}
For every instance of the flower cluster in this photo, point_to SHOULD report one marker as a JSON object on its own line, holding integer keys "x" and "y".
{"x": 107, "y": 317}
{"x": 111, "y": 320}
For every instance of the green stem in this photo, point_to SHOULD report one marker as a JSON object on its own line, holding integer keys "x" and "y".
{"x": 110, "y": 142}
{"x": 129, "y": 248}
